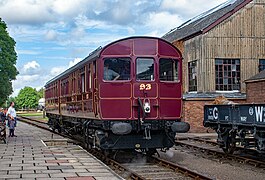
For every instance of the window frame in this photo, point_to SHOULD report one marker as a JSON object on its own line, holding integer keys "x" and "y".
{"x": 83, "y": 82}
{"x": 89, "y": 77}
{"x": 154, "y": 71}
{"x": 118, "y": 80}
{"x": 261, "y": 65}
{"x": 191, "y": 73}
{"x": 223, "y": 69}
{"x": 178, "y": 70}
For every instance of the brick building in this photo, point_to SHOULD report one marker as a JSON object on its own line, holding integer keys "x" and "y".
{"x": 255, "y": 87}
{"x": 221, "y": 48}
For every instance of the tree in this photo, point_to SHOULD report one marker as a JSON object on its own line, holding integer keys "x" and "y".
{"x": 8, "y": 58}
{"x": 9, "y": 100}
{"x": 27, "y": 98}
{"x": 40, "y": 93}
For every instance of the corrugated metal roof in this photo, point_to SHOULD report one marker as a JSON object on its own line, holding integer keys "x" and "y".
{"x": 199, "y": 23}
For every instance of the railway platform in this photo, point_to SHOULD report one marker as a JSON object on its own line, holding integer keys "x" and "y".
{"x": 38, "y": 154}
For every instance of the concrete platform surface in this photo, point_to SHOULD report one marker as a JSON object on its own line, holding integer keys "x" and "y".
{"x": 39, "y": 154}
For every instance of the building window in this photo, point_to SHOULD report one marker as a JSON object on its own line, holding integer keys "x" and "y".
{"x": 168, "y": 70}
{"x": 192, "y": 66}
{"x": 261, "y": 64}
{"x": 227, "y": 74}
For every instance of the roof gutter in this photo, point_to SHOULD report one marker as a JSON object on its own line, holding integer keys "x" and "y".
{"x": 254, "y": 80}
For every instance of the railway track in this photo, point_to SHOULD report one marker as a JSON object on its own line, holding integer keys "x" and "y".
{"x": 200, "y": 145}
{"x": 154, "y": 168}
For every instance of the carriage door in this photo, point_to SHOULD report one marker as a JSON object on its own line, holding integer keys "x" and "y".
{"x": 170, "y": 88}
{"x": 95, "y": 89}
{"x": 145, "y": 87}
{"x": 115, "y": 89}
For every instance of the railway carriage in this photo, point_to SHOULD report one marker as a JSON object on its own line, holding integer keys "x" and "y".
{"x": 126, "y": 95}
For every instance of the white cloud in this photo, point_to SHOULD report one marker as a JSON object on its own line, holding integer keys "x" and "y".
{"x": 31, "y": 65}
{"x": 131, "y": 30}
{"x": 29, "y": 69}
{"x": 51, "y": 35}
{"x": 32, "y": 74}
{"x": 74, "y": 62}
{"x": 57, "y": 70}
{"x": 24, "y": 80}
{"x": 188, "y": 8}
{"x": 162, "y": 22}
{"x": 68, "y": 7}
{"x": 40, "y": 11}
{"x": 122, "y": 13}
{"x": 25, "y": 11}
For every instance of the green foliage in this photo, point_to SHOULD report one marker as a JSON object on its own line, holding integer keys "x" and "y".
{"x": 27, "y": 98}
{"x": 40, "y": 93}
{"x": 8, "y": 58}
{"x": 9, "y": 100}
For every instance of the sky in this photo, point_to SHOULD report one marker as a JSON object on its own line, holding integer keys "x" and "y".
{"x": 53, "y": 35}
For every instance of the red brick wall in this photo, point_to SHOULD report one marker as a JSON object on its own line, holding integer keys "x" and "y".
{"x": 193, "y": 113}
{"x": 256, "y": 92}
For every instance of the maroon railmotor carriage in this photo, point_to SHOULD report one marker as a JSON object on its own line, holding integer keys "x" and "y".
{"x": 126, "y": 95}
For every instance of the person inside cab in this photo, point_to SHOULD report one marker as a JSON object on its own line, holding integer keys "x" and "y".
{"x": 109, "y": 74}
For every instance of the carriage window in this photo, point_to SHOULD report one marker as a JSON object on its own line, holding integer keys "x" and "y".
{"x": 90, "y": 76}
{"x": 117, "y": 69}
{"x": 83, "y": 82}
{"x": 145, "y": 69}
{"x": 168, "y": 70}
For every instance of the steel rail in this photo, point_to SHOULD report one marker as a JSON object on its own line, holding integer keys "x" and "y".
{"x": 115, "y": 165}
{"x": 181, "y": 169}
{"x": 241, "y": 159}
{"x": 214, "y": 143}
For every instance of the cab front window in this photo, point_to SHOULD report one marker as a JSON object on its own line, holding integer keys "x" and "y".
{"x": 168, "y": 70}
{"x": 117, "y": 69}
{"x": 145, "y": 69}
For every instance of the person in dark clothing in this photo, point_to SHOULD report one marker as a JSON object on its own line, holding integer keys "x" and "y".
{"x": 2, "y": 116}
{"x": 11, "y": 124}
{"x": 2, "y": 125}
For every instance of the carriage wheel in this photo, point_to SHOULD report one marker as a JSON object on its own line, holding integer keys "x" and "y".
{"x": 230, "y": 144}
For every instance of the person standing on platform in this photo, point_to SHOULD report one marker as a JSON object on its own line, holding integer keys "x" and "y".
{"x": 12, "y": 119}
{"x": 2, "y": 115}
